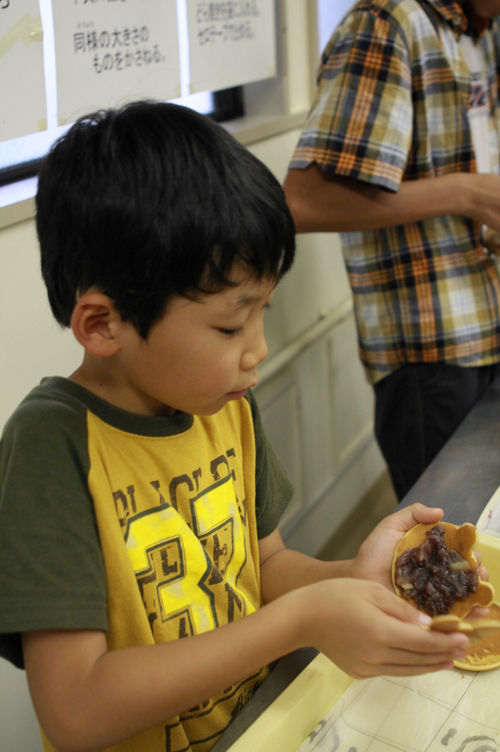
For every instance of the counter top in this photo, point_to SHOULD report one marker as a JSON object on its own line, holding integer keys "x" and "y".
{"x": 466, "y": 473}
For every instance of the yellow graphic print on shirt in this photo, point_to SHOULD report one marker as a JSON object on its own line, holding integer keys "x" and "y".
{"x": 190, "y": 582}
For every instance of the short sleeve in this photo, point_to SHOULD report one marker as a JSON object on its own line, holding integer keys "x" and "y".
{"x": 273, "y": 488}
{"x": 360, "y": 123}
{"x": 51, "y": 567}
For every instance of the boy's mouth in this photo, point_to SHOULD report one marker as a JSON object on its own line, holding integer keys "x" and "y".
{"x": 241, "y": 393}
{"x": 237, "y": 395}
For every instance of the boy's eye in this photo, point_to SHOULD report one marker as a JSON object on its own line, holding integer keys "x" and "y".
{"x": 230, "y": 332}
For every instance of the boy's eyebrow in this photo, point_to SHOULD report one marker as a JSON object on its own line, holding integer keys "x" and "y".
{"x": 242, "y": 301}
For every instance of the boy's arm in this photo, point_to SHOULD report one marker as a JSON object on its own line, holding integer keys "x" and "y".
{"x": 282, "y": 570}
{"x": 87, "y": 698}
{"x": 319, "y": 203}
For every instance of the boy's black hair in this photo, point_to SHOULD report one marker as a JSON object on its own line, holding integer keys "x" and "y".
{"x": 150, "y": 201}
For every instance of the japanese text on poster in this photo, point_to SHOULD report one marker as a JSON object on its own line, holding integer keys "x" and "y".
{"x": 231, "y": 42}
{"x": 118, "y": 50}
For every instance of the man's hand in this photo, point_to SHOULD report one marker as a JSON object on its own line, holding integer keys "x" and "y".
{"x": 481, "y": 196}
{"x": 490, "y": 239}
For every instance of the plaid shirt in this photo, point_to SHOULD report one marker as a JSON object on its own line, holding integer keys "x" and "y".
{"x": 392, "y": 101}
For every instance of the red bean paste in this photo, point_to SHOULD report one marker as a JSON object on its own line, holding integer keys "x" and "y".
{"x": 434, "y": 577}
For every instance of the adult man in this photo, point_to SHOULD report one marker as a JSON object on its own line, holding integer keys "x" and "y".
{"x": 405, "y": 121}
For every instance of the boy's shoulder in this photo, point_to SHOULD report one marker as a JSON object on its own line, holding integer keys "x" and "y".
{"x": 49, "y": 404}
{"x": 49, "y": 424}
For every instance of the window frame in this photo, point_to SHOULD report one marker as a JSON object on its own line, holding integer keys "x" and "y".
{"x": 228, "y": 105}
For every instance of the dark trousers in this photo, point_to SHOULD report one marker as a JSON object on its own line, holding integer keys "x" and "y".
{"x": 417, "y": 408}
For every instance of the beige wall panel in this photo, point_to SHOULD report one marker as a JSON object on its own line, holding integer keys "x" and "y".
{"x": 281, "y": 417}
{"x": 351, "y": 395}
{"x": 319, "y": 461}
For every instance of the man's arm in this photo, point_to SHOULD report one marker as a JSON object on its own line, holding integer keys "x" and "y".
{"x": 322, "y": 204}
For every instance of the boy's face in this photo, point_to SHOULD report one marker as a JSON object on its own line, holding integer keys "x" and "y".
{"x": 200, "y": 355}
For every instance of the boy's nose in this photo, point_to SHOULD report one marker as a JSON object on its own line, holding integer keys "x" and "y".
{"x": 256, "y": 352}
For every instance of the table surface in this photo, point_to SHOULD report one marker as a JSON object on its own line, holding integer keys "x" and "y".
{"x": 461, "y": 480}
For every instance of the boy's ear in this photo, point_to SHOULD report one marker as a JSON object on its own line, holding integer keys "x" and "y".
{"x": 96, "y": 324}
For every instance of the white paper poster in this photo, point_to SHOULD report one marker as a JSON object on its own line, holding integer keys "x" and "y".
{"x": 22, "y": 86}
{"x": 112, "y": 51}
{"x": 230, "y": 43}
{"x": 489, "y": 521}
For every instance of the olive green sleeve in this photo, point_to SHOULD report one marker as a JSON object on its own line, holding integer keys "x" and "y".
{"x": 273, "y": 488}
{"x": 51, "y": 567}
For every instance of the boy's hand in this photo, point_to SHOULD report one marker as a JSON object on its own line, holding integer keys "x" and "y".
{"x": 374, "y": 558}
{"x": 368, "y": 631}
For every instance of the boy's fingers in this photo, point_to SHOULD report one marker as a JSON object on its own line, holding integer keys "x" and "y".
{"x": 420, "y": 640}
{"x": 479, "y": 612}
{"x": 428, "y": 644}
{"x": 482, "y": 571}
{"x": 414, "y": 656}
{"x": 394, "y": 606}
{"x": 416, "y": 513}
{"x": 395, "y": 669}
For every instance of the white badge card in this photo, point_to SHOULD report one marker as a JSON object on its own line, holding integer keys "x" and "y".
{"x": 112, "y": 51}
{"x": 231, "y": 43}
{"x": 23, "y": 107}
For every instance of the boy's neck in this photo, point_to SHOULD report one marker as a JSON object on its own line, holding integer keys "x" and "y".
{"x": 97, "y": 380}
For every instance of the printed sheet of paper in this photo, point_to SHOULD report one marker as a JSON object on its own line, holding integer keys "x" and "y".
{"x": 489, "y": 521}
{"x": 117, "y": 51}
{"x": 22, "y": 84}
{"x": 448, "y": 711}
{"x": 231, "y": 42}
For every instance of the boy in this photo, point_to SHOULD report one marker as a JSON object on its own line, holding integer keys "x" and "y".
{"x": 140, "y": 498}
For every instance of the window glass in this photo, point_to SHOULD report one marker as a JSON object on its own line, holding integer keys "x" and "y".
{"x": 329, "y": 15}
